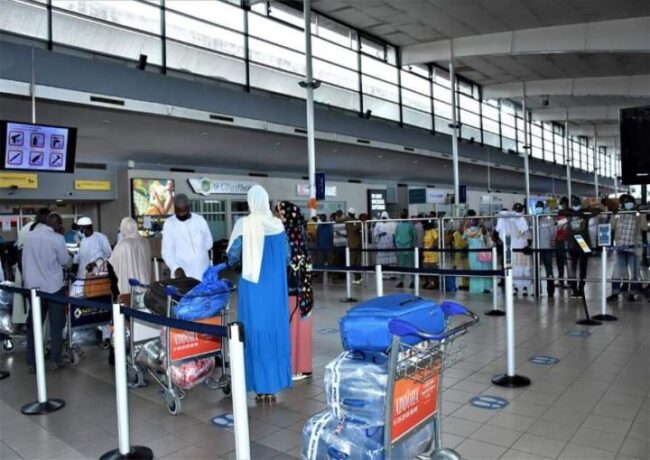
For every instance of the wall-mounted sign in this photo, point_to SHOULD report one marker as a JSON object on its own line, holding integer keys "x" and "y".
{"x": 303, "y": 190}
{"x": 206, "y": 186}
{"x": 19, "y": 180}
{"x": 93, "y": 185}
{"x": 320, "y": 186}
{"x": 376, "y": 203}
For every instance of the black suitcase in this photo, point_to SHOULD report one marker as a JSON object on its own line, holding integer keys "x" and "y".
{"x": 155, "y": 299}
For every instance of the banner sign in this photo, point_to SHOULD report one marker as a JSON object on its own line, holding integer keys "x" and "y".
{"x": 206, "y": 186}
{"x": 303, "y": 190}
{"x": 415, "y": 400}
{"x": 93, "y": 185}
{"x": 18, "y": 180}
{"x": 187, "y": 344}
{"x": 320, "y": 186}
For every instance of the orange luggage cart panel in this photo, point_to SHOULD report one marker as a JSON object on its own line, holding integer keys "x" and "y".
{"x": 187, "y": 344}
{"x": 414, "y": 401}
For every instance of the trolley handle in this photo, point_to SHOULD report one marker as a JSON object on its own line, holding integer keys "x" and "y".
{"x": 402, "y": 328}
{"x": 133, "y": 282}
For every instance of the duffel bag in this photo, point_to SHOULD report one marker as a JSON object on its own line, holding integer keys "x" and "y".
{"x": 155, "y": 299}
{"x": 365, "y": 327}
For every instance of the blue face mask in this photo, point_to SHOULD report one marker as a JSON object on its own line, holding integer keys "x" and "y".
{"x": 539, "y": 210}
{"x": 576, "y": 208}
{"x": 629, "y": 206}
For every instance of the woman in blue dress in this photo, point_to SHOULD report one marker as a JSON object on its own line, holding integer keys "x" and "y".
{"x": 258, "y": 242}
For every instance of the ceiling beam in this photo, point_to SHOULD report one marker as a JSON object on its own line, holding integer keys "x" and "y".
{"x": 577, "y": 113}
{"x": 620, "y": 35}
{"x": 593, "y": 130}
{"x": 622, "y": 85}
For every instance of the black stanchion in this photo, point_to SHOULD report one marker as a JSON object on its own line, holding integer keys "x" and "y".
{"x": 588, "y": 321}
{"x": 4, "y": 375}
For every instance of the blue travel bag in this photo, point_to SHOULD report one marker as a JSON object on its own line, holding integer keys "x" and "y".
{"x": 365, "y": 327}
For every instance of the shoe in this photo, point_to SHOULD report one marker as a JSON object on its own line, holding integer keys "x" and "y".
{"x": 612, "y": 298}
{"x": 631, "y": 298}
{"x": 359, "y": 281}
{"x": 525, "y": 293}
{"x": 31, "y": 369}
{"x": 399, "y": 285}
{"x": 515, "y": 291}
{"x": 301, "y": 376}
{"x": 575, "y": 295}
{"x": 486, "y": 291}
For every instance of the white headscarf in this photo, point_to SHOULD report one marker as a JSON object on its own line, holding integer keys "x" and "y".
{"x": 253, "y": 228}
{"x": 131, "y": 257}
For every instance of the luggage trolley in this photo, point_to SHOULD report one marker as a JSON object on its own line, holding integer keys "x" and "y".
{"x": 414, "y": 384}
{"x": 144, "y": 335}
{"x": 95, "y": 288}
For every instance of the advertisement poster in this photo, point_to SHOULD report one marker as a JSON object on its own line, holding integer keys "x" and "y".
{"x": 187, "y": 344}
{"x": 152, "y": 197}
{"x": 414, "y": 401}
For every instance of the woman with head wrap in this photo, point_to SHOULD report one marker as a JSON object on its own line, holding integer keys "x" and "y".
{"x": 259, "y": 244}
{"x": 131, "y": 257}
{"x": 301, "y": 296}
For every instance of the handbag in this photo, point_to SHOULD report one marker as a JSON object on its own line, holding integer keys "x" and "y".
{"x": 485, "y": 256}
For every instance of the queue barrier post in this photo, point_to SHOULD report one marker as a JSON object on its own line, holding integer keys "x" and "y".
{"x": 379, "y": 281}
{"x": 43, "y": 405}
{"x": 603, "y": 316}
{"x": 510, "y": 379}
{"x": 156, "y": 269}
{"x": 348, "y": 279}
{"x": 495, "y": 287}
{"x": 239, "y": 404}
{"x": 416, "y": 284}
{"x": 125, "y": 450}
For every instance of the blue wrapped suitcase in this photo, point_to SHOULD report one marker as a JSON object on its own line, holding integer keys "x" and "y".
{"x": 365, "y": 327}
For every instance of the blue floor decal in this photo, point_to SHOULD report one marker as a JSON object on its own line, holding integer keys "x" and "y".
{"x": 488, "y": 402}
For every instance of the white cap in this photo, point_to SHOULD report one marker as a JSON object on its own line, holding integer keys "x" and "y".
{"x": 84, "y": 222}
{"x": 351, "y": 211}
{"x": 384, "y": 215}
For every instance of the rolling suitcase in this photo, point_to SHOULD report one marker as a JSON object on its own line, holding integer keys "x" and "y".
{"x": 365, "y": 327}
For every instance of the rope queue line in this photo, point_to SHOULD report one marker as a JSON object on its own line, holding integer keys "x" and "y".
{"x": 233, "y": 332}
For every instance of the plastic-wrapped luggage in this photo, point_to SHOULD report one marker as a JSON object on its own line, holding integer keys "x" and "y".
{"x": 355, "y": 387}
{"x": 207, "y": 298}
{"x": 6, "y": 310}
{"x": 189, "y": 374}
{"x": 151, "y": 355}
{"x": 326, "y": 438}
{"x": 365, "y": 327}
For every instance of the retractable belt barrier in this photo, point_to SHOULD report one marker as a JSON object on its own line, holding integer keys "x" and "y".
{"x": 234, "y": 332}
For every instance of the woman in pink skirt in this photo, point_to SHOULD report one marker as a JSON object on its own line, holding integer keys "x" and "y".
{"x": 301, "y": 296}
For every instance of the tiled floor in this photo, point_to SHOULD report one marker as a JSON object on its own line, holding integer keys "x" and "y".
{"x": 593, "y": 404}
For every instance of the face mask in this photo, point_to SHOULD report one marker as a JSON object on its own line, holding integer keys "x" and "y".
{"x": 628, "y": 206}
{"x": 184, "y": 218}
{"x": 539, "y": 210}
{"x": 576, "y": 208}
{"x": 562, "y": 207}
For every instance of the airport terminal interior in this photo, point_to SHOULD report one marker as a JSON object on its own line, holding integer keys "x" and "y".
{"x": 325, "y": 229}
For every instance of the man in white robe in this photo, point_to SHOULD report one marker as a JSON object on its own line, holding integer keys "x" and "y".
{"x": 186, "y": 241}
{"x": 94, "y": 248}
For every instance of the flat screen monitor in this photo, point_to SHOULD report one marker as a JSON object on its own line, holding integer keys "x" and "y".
{"x": 31, "y": 147}
{"x": 152, "y": 200}
{"x": 635, "y": 145}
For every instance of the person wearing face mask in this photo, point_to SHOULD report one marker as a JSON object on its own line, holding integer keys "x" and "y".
{"x": 186, "y": 241}
{"x": 546, "y": 236}
{"x": 94, "y": 248}
{"x": 627, "y": 228}
{"x": 514, "y": 224}
{"x": 578, "y": 225}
